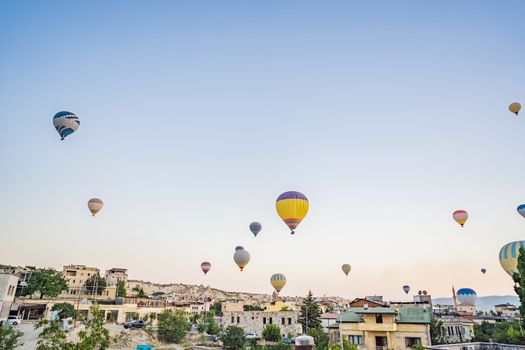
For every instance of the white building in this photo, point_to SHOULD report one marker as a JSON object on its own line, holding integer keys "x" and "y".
{"x": 114, "y": 275}
{"x": 8, "y": 283}
{"x": 458, "y": 328}
{"x": 254, "y": 321}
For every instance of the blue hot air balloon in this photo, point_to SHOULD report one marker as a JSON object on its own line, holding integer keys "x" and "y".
{"x": 65, "y": 123}
{"x": 521, "y": 210}
{"x": 406, "y": 288}
{"x": 255, "y": 227}
{"x": 239, "y": 247}
{"x": 467, "y": 296}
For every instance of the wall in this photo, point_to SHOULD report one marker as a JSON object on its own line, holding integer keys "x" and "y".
{"x": 253, "y": 321}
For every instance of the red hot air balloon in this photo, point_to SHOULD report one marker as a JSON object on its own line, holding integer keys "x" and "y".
{"x": 205, "y": 266}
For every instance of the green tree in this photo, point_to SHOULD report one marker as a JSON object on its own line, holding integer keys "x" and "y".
{"x": 95, "y": 284}
{"x": 309, "y": 315}
{"x": 47, "y": 282}
{"x": 233, "y": 338}
{"x": 321, "y": 339}
{"x": 346, "y": 346}
{"x": 140, "y": 292}
{"x": 172, "y": 326}
{"x": 95, "y": 336}
{"x": 10, "y": 338}
{"x": 65, "y": 310}
{"x": 52, "y": 337}
{"x": 152, "y": 317}
{"x": 217, "y": 308}
{"x": 252, "y": 308}
{"x": 271, "y": 332}
{"x": 519, "y": 283}
{"x": 437, "y": 332}
{"x": 121, "y": 288}
{"x": 210, "y": 323}
{"x": 483, "y": 332}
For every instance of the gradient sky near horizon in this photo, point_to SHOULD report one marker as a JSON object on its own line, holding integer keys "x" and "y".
{"x": 195, "y": 116}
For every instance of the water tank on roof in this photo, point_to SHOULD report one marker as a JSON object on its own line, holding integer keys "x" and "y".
{"x": 304, "y": 342}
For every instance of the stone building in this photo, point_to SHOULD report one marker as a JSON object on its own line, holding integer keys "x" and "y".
{"x": 8, "y": 283}
{"x": 114, "y": 275}
{"x": 254, "y": 321}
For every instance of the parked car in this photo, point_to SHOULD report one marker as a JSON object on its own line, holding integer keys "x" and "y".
{"x": 251, "y": 336}
{"x": 134, "y": 324}
{"x": 13, "y": 320}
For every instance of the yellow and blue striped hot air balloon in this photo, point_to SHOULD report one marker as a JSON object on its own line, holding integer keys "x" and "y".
{"x": 278, "y": 281}
{"x": 508, "y": 256}
{"x": 292, "y": 207}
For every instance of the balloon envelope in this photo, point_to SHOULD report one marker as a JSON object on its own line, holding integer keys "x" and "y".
{"x": 346, "y": 268}
{"x": 239, "y": 247}
{"x": 205, "y": 266}
{"x": 278, "y": 281}
{"x": 508, "y": 256}
{"x": 292, "y": 207}
{"x": 467, "y": 296}
{"x": 65, "y": 123}
{"x": 483, "y": 270}
{"x": 255, "y": 227}
{"x": 241, "y": 258}
{"x": 406, "y": 288}
{"x": 95, "y": 205}
{"x": 515, "y": 107}
{"x": 460, "y": 216}
{"x": 521, "y": 210}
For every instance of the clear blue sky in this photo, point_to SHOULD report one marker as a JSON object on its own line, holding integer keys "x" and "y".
{"x": 195, "y": 116}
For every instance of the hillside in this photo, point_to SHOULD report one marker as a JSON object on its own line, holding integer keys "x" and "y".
{"x": 485, "y": 303}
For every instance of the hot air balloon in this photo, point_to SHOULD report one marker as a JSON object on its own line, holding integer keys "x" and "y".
{"x": 467, "y": 296}
{"x": 406, "y": 288}
{"x": 515, "y": 107}
{"x": 95, "y": 205}
{"x": 508, "y": 256}
{"x": 346, "y": 268}
{"x": 239, "y": 247}
{"x": 255, "y": 227}
{"x": 292, "y": 207}
{"x": 483, "y": 270}
{"x": 460, "y": 216}
{"x": 66, "y": 123}
{"x": 278, "y": 281}
{"x": 205, "y": 266}
{"x": 241, "y": 258}
{"x": 521, "y": 210}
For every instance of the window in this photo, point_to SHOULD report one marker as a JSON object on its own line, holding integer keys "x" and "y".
{"x": 233, "y": 319}
{"x": 271, "y": 320}
{"x": 238, "y": 319}
{"x": 355, "y": 339}
{"x": 289, "y": 320}
{"x": 379, "y": 318}
{"x": 381, "y": 341}
{"x": 283, "y": 321}
{"x": 264, "y": 320}
{"x": 409, "y": 341}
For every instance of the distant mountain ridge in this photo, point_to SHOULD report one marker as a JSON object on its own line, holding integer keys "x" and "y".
{"x": 485, "y": 303}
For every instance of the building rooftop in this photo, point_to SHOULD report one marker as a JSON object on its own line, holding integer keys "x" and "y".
{"x": 404, "y": 314}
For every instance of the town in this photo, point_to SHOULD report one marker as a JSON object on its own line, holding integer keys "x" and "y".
{"x": 131, "y": 305}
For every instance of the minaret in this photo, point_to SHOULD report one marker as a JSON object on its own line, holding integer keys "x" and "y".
{"x": 454, "y": 298}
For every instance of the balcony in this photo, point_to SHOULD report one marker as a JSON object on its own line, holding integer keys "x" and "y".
{"x": 378, "y": 327}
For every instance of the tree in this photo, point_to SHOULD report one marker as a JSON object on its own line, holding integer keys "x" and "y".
{"x": 437, "y": 332}
{"x": 217, "y": 308}
{"x": 208, "y": 323}
{"x": 48, "y": 282}
{"x": 140, "y": 292}
{"x": 52, "y": 337}
{"x": 252, "y": 308}
{"x": 95, "y": 284}
{"x": 95, "y": 336}
{"x": 121, "y": 288}
{"x": 271, "y": 332}
{"x": 519, "y": 283}
{"x": 321, "y": 339}
{"x": 309, "y": 315}
{"x": 152, "y": 317}
{"x": 233, "y": 338}
{"x": 10, "y": 338}
{"x": 65, "y": 310}
{"x": 172, "y": 326}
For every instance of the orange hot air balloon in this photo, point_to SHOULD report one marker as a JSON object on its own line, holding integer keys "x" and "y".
{"x": 460, "y": 216}
{"x": 95, "y": 205}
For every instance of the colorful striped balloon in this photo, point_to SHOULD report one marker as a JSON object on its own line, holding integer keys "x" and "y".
{"x": 508, "y": 256}
{"x": 278, "y": 281}
{"x": 95, "y": 205}
{"x": 65, "y": 123}
{"x": 292, "y": 207}
{"x": 467, "y": 296}
{"x": 460, "y": 216}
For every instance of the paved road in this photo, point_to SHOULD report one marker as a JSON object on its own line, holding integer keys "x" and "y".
{"x": 30, "y": 335}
